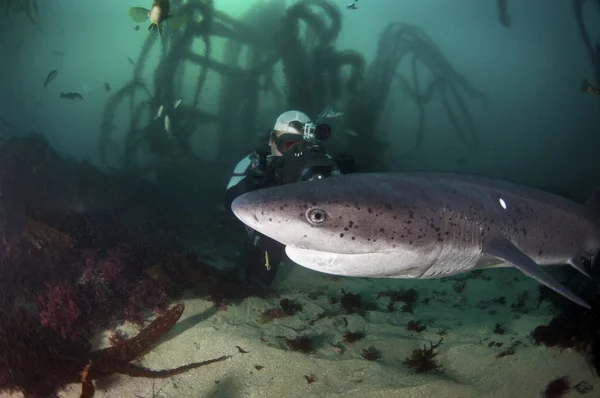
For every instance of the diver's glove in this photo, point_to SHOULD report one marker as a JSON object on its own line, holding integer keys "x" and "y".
{"x": 254, "y": 236}
{"x": 257, "y": 170}
{"x": 257, "y": 165}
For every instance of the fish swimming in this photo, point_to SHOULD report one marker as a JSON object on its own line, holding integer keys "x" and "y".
{"x": 158, "y": 13}
{"x": 329, "y": 113}
{"x": 425, "y": 225}
{"x": 71, "y": 96}
{"x": 586, "y": 87}
{"x": 51, "y": 76}
{"x": 159, "y": 112}
{"x": 168, "y": 125}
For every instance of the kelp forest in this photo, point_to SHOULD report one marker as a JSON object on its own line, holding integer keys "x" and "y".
{"x": 316, "y": 74}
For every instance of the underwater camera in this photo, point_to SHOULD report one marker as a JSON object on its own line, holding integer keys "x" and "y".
{"x": 306, "y": 161}
{"x": 316, "y": 132}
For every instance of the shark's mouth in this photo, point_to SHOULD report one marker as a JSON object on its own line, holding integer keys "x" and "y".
{"x": 371, "y": 265}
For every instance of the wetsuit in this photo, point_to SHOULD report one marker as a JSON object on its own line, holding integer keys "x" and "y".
{"x": 248, "y": 176}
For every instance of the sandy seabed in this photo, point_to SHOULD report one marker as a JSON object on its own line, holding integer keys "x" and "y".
{"x": 270, "y": 369}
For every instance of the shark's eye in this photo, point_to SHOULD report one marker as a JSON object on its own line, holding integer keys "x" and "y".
{"x": 316, "y": 216}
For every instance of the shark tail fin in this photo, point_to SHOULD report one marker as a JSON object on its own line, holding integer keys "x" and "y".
{"x": 594, "y": 201}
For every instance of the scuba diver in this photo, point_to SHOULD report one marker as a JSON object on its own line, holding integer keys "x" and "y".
{"x": 294, "y": 154}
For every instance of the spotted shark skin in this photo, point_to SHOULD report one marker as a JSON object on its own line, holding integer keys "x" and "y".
{"x": 424, "y": 225}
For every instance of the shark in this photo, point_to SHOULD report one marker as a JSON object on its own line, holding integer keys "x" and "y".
{"x": 425, "y": 225}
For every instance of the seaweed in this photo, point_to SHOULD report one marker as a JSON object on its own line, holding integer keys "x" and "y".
{"x": 310, "y": 378}
{"x": 498, "y": 329}
{"x": 459, "y": 286}
{"x": 416, "y": 326}
{"x": 354, "y": 304}
{"x": 47, "y": 361}
{"x": 351, "y": 337}
{"x": 557, "y": 388}
{"x": 316, "y": 74}
{"x": 408, "y": 297}
{"x": 371, "y": 354}
{"x": 422, "y": 359}
{"x": 519, "y": 305}
{"x": 591, "y": 45}
{"x": 301, "y": 343}
{"x": 287, "y": 308}
{"x": 574, "y": 328}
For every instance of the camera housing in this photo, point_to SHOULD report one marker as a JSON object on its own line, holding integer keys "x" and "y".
{"x": 305, "y": 162}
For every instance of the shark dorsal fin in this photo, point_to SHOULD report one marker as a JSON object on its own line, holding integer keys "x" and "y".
{"x": 504, "y": 249}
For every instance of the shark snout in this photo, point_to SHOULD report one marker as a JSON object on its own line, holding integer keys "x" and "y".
{"x": 244, "y": 210}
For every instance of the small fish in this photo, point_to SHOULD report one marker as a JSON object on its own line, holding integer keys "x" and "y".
{"x": 267, "y": 264}
{"x": 58, "y": 53}
{"x": 136, "y": 27}
{"x": 106, "y": 87}
{"x": 177, "y": 103}
{"x": 51, "y": 76}
{"x": 158, "y": 13}
{"x": 329, "y": 113}
{"x": 586, "y": 87}
{"x": 71, "y": 96}
{"x": 352, "y": 6}
{"x": 351, "y": 133}
{"x": 159, "y": 113}
{"x": 168, "y": 125}
{"x": 333, "y": 114}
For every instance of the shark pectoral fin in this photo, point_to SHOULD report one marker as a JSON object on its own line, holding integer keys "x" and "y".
{"x": 504, "y": 249}
{"x": 577, "y": 263}
{"x": 138, "y": 14}
{"x": 151, "y": 27}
